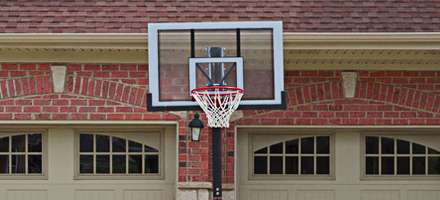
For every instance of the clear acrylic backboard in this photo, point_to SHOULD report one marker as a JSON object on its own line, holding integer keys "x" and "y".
{"x": 185, "y": 56}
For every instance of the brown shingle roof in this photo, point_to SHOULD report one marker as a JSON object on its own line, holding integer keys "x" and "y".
{"x": 132, "y": 16}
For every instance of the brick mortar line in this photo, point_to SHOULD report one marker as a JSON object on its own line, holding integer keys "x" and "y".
{"x": 398, "y": 86}
{"x": 367, "y": 82}
{"x": 310, "y": 84}
{"x": 100, "y": 79}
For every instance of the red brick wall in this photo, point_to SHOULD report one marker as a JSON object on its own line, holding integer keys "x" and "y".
{"x": 117, "y": 92}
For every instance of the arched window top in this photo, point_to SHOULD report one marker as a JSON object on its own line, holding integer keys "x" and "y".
{"x": 302, "y": 155}
{"x": 391, "y": 145}
{"x": 301, "y": 145}
{"x": 391, "y": 156}
{"x": 108, "y": 143}
{"x": 115, "y": 154}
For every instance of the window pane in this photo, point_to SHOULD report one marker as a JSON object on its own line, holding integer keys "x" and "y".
{"x": 4, "y": 144}
{"x": 419, "y": 165}
{"x": 118, "y": 144}
{"x": 135, "y": 164}
{"x": 262, "y": 151}
{"x": 322, "y": 165}
{"x": 291, "y": 164}
{"x": 4, "y": 160}
{"x": 86, "y": 143}
{"x": 119, "y": 164}
{"x": 18, "y": 164}
{"x": 418, "y": 149}
{"x": 86, "y": 164}
{"x": 387, "y": 145}
{"x": 276, "y": 148}
{"x": 402, "y": 147}
{"x": 403, "y": 165}
{"x": 150, "y": 149}
{"x": 307, "y": 145}
{"x": 307, "y": 165}
{"x": 102, "y": 164}
{"x": 292, "y": 146}
{"x": 34, "y": 164}
{"x": 34, "y": 143}
{"x": 260, "y": 165}
{"x": 387, "y": 165}
{"x": 434, "y": 165}
{"x": 18, "y": 143}
{"x": 372, "y": 165}
{"x": 102, "y": 143}
{"x": 276, "y": 165}
{"x": 134, "y": 146}
{"x": 151, "y": 164}
{"x": 433, "y": 151}
{"x": 323, "y": 144}
{"x": 372, "y": 145}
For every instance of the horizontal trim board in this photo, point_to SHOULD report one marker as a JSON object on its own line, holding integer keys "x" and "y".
{"x": 88, "y": 122}
{"x": 291, "y": 40}
{"x": 133, "y": 48}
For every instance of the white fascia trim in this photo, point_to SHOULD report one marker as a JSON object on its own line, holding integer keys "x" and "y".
{"x": 397, "y": 41}
{"x": 75, "y": 41}
{"x": 430, "y": 40}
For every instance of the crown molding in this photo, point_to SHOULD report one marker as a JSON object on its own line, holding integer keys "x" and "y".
{"x": 291, "y": 41}
{"x": 363, "y": 41}
{"x": 301, "y": 50}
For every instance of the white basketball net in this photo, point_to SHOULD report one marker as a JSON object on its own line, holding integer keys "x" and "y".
{"x": 218, "y": 103}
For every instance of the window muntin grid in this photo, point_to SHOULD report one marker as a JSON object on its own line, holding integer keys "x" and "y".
{"x": 22, "y": 154}
{"x": 388, "y": 156}
{"x": 103, "y": 155}
{"x": 295, "y": 157}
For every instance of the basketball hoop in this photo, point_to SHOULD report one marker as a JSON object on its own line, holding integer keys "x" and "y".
{"x": 218, "y": 103}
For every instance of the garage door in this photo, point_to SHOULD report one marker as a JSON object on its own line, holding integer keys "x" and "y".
{"x": 326, "y": 165}
{"x": 74, "y": 163}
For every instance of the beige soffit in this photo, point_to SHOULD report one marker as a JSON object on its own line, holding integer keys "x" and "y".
{"x": 343, "y": 51}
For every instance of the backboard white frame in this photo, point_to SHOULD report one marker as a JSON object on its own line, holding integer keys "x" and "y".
{"x": 153, "y": 59}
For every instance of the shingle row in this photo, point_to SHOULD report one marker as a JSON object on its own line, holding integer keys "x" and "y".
{"x": 132, "y": 16}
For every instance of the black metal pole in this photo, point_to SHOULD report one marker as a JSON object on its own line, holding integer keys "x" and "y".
{"x": 217, "y": 163}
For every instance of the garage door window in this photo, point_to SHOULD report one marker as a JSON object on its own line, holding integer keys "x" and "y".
{"x": 109, "y": 156}
{"x": 21, "y": 155}
{"x": 391, "y": 156}
{"x": 303, "y": 156}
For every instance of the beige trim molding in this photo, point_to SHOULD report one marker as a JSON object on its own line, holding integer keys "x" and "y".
{"x": 405, "y": 41}
{"x": 342, "y": 127}
{"x": 75, "y": 41}
{"x": 202, "y": 185}
{"x": 396, "y": 41}
{"x": 97, "y": 123}
{"x": 74, "y": 48}
{"x": 302, "y": 51}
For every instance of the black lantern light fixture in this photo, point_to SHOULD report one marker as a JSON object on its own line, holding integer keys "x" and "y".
{"x": 196, "y": 127}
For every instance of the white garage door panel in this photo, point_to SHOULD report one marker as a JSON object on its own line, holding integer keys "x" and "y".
{"x": 61, "y": 183}
{"x": 347, "y": 185}
{"x": 143, "y": 194}
{"x": 316, "y": 195}
{"x": 380, "y": 195}
{"x": 94, "y": 194}
{"x": 424, "y": 195}
{"x": 26, "y": 195}
{"x": 269, "y": 194}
